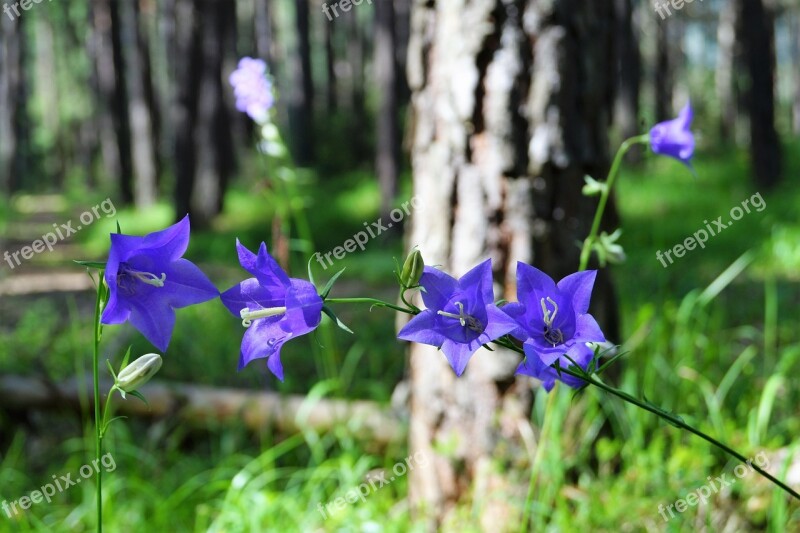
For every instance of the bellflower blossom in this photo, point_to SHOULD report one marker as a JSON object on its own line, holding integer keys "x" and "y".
{"x": 273, "y": 307}
{"x": 674, "y": 138}
{"x": 252, "y": 89}
{"x": 554, "y": 321}
{"x": 147, "y": 279}
{"x": 460, "y": 315}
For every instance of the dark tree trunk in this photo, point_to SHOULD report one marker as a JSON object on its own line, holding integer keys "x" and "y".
{"x": 13, "y": 105}
{"x": 663, "y": 72}
{"x": 512, "y": 101}
{"x": 111, "y": 78}
{"x": 301, "y": 98}
{"x": 756, "y": 28}
{"x": 262, "y": 25}
{"x": 140, "y": 113}
{"x": 358, "y": 115}
{"x": 629, "y": 69}
{"x": 795, "y": 60}
{"x": 330, "y": 67}
{"x": 187, "y": 44}
{"x": 388, "y": 135}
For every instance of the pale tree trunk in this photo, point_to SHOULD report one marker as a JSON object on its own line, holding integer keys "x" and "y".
{"x": 511, "y": 104}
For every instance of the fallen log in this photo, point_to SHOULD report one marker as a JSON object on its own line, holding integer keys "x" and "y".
{"x": 205, "y": 407}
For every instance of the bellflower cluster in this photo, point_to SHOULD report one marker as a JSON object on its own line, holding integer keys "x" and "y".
{"x": 252, "y": 89}
{"x": 551, "y": 321}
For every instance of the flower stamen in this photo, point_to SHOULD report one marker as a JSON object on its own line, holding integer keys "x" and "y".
{"x": 551, "y": 335}
{"x": 464, "y": 319}
{"x": 248, "y": 316}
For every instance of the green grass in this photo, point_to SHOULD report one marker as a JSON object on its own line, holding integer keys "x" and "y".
{"x": 725, "y": 359}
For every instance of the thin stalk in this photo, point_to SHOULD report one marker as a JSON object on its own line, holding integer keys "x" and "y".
{"x": 96, "y": 382}
{"x": 373, "y": 301}
{"x": 586, "y": 250}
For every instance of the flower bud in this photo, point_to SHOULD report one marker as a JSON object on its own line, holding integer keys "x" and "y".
{"x": 139, "y": 372}
{"x": 412, "y": 269}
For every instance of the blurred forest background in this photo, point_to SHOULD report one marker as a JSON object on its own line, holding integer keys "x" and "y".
{"x": 516, "y": 100}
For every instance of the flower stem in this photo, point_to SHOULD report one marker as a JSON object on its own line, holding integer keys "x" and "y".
{"x": 373, "y": 301}
{"x": 586, "y": 250}
{"x": 666, "y": 415}
{"x": 96, "y": 382}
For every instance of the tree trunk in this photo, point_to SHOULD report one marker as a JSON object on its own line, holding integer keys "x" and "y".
{"x": 13, "y": 104}
{"x": 187, "y": 45}
{"x": 137, "y": 65}
{"x": 511, "y": 104}
{"x": 301, "y": 98}
{"x": 724, "y": 75}
{"x": 795, "y": 61}
{"x": 118, "y": 94}
{"x": 387, "y": 132}
{"x": 757, "y": 36}
{"x": 663, "y": 72}
{"x": 629, "y": 68}
{"x": 262, "y": 25}
{"x": 330, "y": 67}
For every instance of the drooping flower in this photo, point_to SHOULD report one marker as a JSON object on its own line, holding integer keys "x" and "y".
{"x": 273, "y": 307}
{"x": 148, "y": 279}
{"x": 554, "y": 323}
{"x": 460, "y": 316}
{"x": 252, "y": 88}
{"x": 674, "y": 138}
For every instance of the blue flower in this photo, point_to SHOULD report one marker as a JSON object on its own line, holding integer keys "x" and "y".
{"x": 674, "y": 138}
{"x": 147, "y": 279}
{"x": 553, "y": 323}
{"x": 460, "y": 315}
{"x": 252, "y": 88}
{"x": 273, "y": 307}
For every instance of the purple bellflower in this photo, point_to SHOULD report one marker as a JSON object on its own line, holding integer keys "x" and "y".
{"x": 273, "y": 307}
{"x": 460, "y": 315}
{"x": 674, "y": 138}
{"x": 148, "y": 279}
{"x": 553, "y": 323}
{"x": 252, "y": 88}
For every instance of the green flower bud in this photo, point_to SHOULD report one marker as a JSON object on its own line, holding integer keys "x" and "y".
{"x": 412, "y": 269}
{"x": 139, "y": 372}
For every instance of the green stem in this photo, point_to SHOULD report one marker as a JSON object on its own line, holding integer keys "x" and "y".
{"x": 106, "y": 410}
{"x": 96, "y": 382}
{"x": 373, "y": 301}
{"x": 669, "y": 417}
{"x": 586, "y": 250}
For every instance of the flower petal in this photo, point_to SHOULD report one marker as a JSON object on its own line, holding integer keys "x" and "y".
{"x": 480, "y": 280}
{"x": 303, "y": 308}
{"x": 263, "y": 338}
{"x": 439, "y": 287}
{"x": 187, "y": 285}
{"x": 578, "y": 287}
{"x": 531, "y": 280}
{"x": 458, "y": 354}
{"x": 155, "y": 322}
{"x": 499, "y": 323}
{"x": 587, "y": 329}
{"x": 422, "y": 329}
{"x": 251, "y": 294}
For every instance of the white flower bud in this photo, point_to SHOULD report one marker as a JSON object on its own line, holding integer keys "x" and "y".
{"x": 139, "y": 372}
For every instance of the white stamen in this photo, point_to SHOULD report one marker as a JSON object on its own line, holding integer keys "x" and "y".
{"x": 248, "y": 316}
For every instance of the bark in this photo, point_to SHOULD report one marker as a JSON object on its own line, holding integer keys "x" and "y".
{"x": 387, "y": 132}
{"x": 301, "y": 98}
{"x": 511, "y": 104}
{"x": 212, "y": 129}
{"x": 330, "y": 67}
{"x": 629, "y": 72}
{"x": 187, "y": 45}
{"x": 358, "y": 115}
{"x": 118, "y": 92}
{"x": 140, "y": 112}
{"x": 262, "y": 24}
{"x": 757, "y": 30}
{"x": 13, "y": 104}
{"x": 663, "y": 72}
